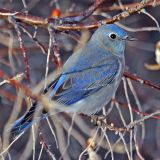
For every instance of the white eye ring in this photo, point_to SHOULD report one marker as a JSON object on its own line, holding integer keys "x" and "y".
{"x": 113, "y": 36}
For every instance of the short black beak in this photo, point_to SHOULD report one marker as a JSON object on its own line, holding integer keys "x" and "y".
{"x": 129, "y": 38}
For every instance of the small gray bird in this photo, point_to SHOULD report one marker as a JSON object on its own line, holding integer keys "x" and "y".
{"x": 89, "y": 78}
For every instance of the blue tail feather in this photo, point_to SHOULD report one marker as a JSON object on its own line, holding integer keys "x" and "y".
{"x": 24, "y": 122}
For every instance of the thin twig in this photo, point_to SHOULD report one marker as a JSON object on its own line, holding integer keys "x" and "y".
{"x": 60, "y": 24}
{"x": 16, "y": 26}
{"x": 140, "y": 80}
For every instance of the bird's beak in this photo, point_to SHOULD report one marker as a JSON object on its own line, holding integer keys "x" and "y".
{"x": 129, "y": 38}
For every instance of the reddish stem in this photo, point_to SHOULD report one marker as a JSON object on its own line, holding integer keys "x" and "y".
{"x": 140, "y": 80}
{"x": 124, "y": 105}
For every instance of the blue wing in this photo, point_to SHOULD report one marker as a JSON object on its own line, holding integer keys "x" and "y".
{"x": 75, "y": 85}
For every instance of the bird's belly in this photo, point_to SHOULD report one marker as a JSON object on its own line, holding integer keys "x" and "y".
{"x": 95, "y": 102}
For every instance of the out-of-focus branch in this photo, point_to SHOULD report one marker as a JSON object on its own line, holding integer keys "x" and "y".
{"x": 64, "y": 23}
{"x": 39, "y": 21}
{"x": 44, "y": 143}
{"x": 21, "y": 43}
{"x": 28, "y": 19}
{"x": 125, "y": 105}
{"x": 82, "y": 15}
{"x": 117, "y": 7}
{"x": 140, "y": 80}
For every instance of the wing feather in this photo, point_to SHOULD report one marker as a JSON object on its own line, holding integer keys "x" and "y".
{"x": 71, "y": 87}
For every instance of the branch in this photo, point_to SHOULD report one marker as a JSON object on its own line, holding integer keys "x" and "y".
{"x": 44, "y": 143}
{"x": 21, "y": 43}
{"x": 59, "y": 25}
{"x": 125, "y": 105}
{"x": 63, "y": 24}
{"x": 140, "y": 80}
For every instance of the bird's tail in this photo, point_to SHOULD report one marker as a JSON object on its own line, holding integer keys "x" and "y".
{"x": 24, "y": 122}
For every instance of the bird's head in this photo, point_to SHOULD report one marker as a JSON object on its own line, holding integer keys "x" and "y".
{"x": 112, "y": 38}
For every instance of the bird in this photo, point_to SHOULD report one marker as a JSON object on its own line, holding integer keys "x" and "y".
{"x": 89, "y": 78}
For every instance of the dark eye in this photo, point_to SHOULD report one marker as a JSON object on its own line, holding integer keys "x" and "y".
{"x": 112, "y": 36}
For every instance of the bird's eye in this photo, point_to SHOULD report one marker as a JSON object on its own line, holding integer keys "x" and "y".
{"x": 112, "y": 36}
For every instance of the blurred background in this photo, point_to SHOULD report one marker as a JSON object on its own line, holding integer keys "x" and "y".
{"x": 81, "y": 139}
